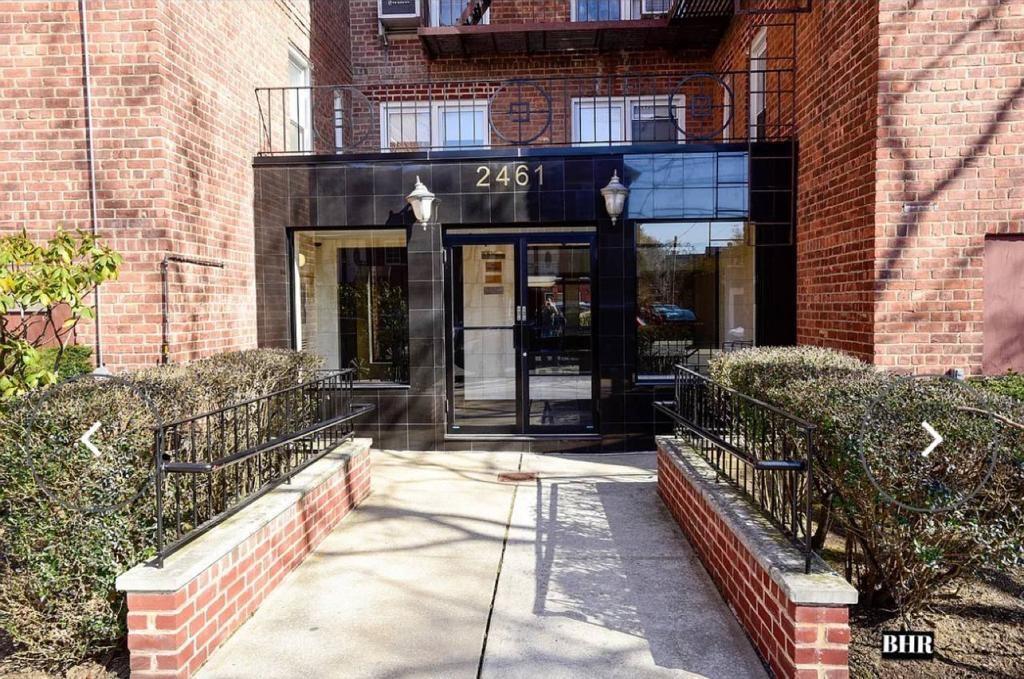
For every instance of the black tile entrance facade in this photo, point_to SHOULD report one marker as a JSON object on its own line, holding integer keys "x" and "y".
{"x": 694, "y": 202}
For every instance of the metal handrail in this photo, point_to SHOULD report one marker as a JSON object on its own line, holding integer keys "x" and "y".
{"x": 209, "y": 466}
{"x": 759, "y": 448}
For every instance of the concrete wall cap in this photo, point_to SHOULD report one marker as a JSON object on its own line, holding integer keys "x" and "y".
{"x": 194, "y": 558}
{"x": 783, "y": 562}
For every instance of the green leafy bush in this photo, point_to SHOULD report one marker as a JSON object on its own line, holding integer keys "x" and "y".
{"x": 908, "y": 555}
{"x": 72, "y": 361}
{"x": 58, "y": 565}
{"x": 35, "y": 281}
{"x": 1010, "y": 384}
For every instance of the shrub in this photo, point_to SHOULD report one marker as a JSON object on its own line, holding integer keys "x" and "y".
{"x": 756, "y": 371}
{"x": 908, "y": 555}
{"x": 58, "y": 565}
{"x": 1010, "y": 384}
{"x": 73, "y": 361}
{"x": 35, "y": 281}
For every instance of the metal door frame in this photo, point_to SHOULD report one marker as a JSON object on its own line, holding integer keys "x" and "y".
{"x": 520, "y": 242}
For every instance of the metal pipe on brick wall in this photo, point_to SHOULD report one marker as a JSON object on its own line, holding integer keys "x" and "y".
{"x": 91, "y": 164}
{"x": 165, "y": 301}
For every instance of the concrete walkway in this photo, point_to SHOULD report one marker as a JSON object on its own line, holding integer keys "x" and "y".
{"x": 446, "y": 572}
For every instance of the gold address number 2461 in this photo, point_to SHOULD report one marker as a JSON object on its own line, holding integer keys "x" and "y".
{"x": 520, "y": 175}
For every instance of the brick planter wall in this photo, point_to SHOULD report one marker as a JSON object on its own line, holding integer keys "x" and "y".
{"x": 179, "y": 614}
{"x": 797, "y": 622}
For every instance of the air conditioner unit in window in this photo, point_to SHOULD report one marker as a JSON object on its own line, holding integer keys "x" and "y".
{"x": 399, "y": 14}
{"x": 654, "y": 7}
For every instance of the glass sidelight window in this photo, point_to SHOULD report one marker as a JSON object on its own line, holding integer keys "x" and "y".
{"x": 695, "y": 294}
{"x": 352, "y": 301}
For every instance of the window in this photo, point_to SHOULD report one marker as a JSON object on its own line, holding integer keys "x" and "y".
{"x": 614, "y": 10}
{"x": 695, "y": 293}
{"x": 758, "y": 83}
{"x": 405, "y": 126}
{"x": 447, "y": 12}
{"x": 413, "y": 126}
{"x": 297, "y": 109}
{"x": 339, "y": 122}
{"x": 597, "y": 121}
{"x": 462, "y": 125}
{"x": 352, "y": 302}
{"x": 650, "y": 119}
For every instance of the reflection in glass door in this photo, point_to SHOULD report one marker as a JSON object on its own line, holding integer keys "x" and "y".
{"x": 521, "y": 341}
{"x": 485, "y": 385}
{"x": 557, "y": 338}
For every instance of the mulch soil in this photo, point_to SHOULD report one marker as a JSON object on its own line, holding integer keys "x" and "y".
{"x": 979, "y": 632}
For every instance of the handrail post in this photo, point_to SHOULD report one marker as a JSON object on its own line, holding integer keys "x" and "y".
{"x": 158, "y": 476}
{"x": 809, "y": 434}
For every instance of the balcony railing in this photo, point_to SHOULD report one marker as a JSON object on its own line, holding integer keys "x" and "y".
{"x": 460, "y": 115}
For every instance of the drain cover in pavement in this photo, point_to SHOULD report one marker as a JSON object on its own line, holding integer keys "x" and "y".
{"x": 512, "y": 477}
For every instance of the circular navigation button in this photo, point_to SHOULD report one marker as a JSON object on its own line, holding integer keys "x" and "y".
{"x": 927, "y": 446}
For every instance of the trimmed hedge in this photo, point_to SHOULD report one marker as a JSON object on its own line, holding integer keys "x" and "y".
{"x": 58, "y": 565}
{"x": 907, "y": 555}
{"x": 757, "y": 371}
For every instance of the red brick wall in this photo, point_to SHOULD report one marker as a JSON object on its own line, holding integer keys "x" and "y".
{"x": 950, "y": 168}
{"x": 175, "y": 132}
{"x": 809, "y": 642}
{"x": 835, "y": 62}
{"x": 171, "y": 634}
{"x": 911, "y": 126}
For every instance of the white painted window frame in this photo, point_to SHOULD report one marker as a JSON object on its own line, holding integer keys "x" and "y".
{"x": 435, "y": 14}
{"x": 435, "y": 111}
{"x": 625, "y": 11}
{"x": 625, "y": 105}
{"x": 298, "y": 109}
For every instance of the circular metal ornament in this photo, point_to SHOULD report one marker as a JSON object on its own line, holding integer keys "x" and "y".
{"x": 521, "y": 111}
{"x": 99, "y": 460}
{"x": 701, "y": 106}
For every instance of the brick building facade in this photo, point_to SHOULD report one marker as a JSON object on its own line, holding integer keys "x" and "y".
{"x": 174, "y": 133}
{"x": 907, "y": 116}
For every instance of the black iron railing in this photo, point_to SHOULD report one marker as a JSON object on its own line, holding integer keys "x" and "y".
{"x": 209, "y": 466}
{"x": 613, "y": 110}
{"x": 762, "y": 450}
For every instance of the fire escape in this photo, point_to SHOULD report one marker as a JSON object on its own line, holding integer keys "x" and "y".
{"x": 662, "y": 24}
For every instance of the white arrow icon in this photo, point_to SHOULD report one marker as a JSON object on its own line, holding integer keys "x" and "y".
{"x": 936, "y": 439}
{"x": 85, "y": 438}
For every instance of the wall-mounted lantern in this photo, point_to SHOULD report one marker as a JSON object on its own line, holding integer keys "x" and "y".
{"x": 614, "y": 197}
{"x": 422, "y": 202}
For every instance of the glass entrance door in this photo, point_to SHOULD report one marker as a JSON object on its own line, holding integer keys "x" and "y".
{"x": 520, "y": 340}
{"x": 558, "y": 338}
